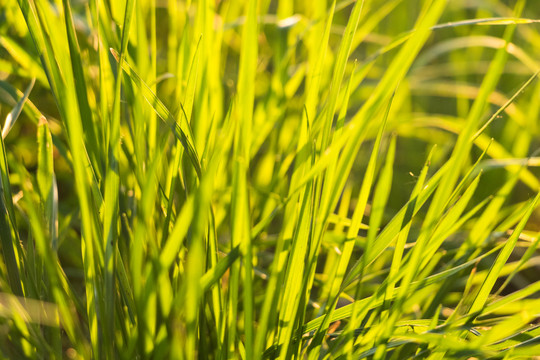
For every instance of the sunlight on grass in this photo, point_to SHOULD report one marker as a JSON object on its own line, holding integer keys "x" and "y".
{"x": 269, "y": 179}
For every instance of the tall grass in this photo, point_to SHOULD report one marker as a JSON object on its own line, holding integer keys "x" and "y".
{"x": 269, "y": 179}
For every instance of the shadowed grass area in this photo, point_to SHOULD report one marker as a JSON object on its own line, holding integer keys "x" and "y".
{"x": 269, "y": 179}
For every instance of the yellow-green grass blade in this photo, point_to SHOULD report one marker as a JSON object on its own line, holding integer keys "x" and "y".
{"x": 54, "y": 291}
{"x": 402, "y": 218}
{"x": 241, "y": 220}
{"x": 332, "y": 262}
{"x": 195, "y": 270}
{"x": 509, "y": 326}
{"x": 345, "y": 311}
{"x": 380, "y": 200}
{"x": 432, "y": 236}
{"x": 327, "y": 118}
{"x": 476, "y": 41}
{"x": 12, "y": 250}
{"x": 14, "y": 114}
{"x": 238, "y": 256}
{"x": 81, "y": 86}
{"x": 382, "y": 192}
{"x": 48, "y": 44}
{"x": 316, "y": 56}
{"x": 486, "y": 222}
{"x": 48, "y": 192}
{"x": 489, "y": 281}
{"x": 46, "y": 180}
{"x": 197, "y": 284}
{"x": 499, "y": 304}
{"x": 352, "y": 232}
{"x": 10, "y": 96}
{"x": 292, "y": 296}
{"x": 385, "y": 88}
{"x": 463, "y": 143}
{"x": 111, "y": 196}
{"x": 403, "y": 235}
{"x": 529, "y": 253}
{"x": 180, "y": 130}
{"x": 492, "y": 148}
{"x": 8, "y": 248}
{"x": 523, "y": 341}
{"x": 24, "y": 59}
{"x": 143, "y": 249}
{"x": 414, "y": 262}
{"x": 212, "y": 276}
{"x": 339, "y": 70}
{"x": 453, "y": 220}
{"x": 510, "y": 101}
{"x": 187, "y": 109}
{"x": 201, "y": 121}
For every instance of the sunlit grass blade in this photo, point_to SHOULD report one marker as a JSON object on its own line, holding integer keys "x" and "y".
{"x": 68, "y": 107}
{"x": 47, "y": 181}
{"x": 241, "y": 219}
{"x": 14, "y": 114}
{"x": 9, "y": 254}
{"x": 24, "y": 59}
{"x": 94, "y": 147}
{"x": 345, "y": 311}
{"x": 180, "y": 130}
{"x": 112, "y": 185}
{"x": 463, "y": 143}
{"x": 503, "y": 256}
{"x": 54, "y": 290}
{"x": 502, "y": 108}
{"x": 276, "y": 211}
{"x": 186, "y": 111}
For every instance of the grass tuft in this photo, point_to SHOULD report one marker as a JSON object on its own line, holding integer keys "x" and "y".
{"x": 329, "y": 179}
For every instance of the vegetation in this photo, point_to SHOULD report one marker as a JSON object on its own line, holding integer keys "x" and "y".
{"x": 269, "y": 179}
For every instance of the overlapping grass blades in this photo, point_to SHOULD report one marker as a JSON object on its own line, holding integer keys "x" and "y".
{"x": 342, "y": 179}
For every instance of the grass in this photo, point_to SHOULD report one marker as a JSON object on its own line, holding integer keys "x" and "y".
{"x": 269, "y": 179}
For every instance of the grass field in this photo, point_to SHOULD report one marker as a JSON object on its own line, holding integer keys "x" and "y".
{"x": 264, "y": 179}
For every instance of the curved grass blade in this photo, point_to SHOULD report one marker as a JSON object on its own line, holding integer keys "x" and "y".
{"x": 502, "y": 108}
{"x": 346, "y": 311}
{"x": 181, "y": 131}
{"x": 493, "y": 275}
{"x": 14, "y": 114}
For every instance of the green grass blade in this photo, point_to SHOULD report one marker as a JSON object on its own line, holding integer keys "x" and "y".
{"x": 14, "y": 114}
{"x": 47, "y": 181}
{"x": 180, "y": 130}
{"x": 503, "y": 256}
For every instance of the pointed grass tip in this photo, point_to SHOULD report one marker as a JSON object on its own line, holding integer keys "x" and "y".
{"x": 115, "y": 54}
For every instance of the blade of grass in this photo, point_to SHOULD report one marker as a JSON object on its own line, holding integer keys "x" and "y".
{"x": 47, "y": 181}
{"x": 241, "y": 221}
{"x": 489, "y": 281}
{"x": 13, "y": 115}
{"x": 180, "y": 130}
{"x": 112, "y": 189}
